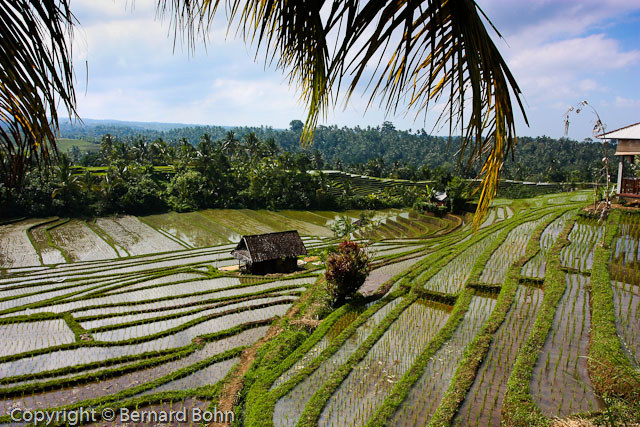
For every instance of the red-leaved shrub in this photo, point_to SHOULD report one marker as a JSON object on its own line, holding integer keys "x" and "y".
{"x": 347, "y": 270}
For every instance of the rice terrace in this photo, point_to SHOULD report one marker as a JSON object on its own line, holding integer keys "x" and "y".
{"x": 334, "y": 213}
{"x": 531, "y": 318}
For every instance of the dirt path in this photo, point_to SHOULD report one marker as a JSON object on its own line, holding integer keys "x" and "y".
{"x": 231, "y": 390}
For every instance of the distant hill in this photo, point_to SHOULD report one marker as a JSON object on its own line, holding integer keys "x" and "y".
{"x": 92, "y": 123}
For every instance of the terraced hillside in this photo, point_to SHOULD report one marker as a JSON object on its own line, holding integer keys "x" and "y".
{"x": 491, "y": 327}
{"x": 52, "y": 241}
{"x": 147, "y": 319}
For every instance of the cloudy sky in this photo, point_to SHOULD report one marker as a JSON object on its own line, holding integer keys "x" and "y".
{"x": 560, "y": 51}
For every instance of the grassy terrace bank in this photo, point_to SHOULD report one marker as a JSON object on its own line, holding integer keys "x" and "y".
{"x": 191, "y": 334}
{"x": 259, "y": 400}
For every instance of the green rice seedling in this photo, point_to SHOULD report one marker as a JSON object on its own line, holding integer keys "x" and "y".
{"x": 451, "y": 278}
{"x": 427, "y": 392}
{"x": 627, "y": 310}
{"x": 583, "y": 238}
{"x": 536, "y": 266}
{"x": 289, "y": 407}
{"x": 372, "y": 379}
{"x": 484, "y": 400}
{"x": 567, "y": 354}
{"x": 511, "y": 249}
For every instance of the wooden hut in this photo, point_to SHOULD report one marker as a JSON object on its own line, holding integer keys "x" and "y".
{"x": 271, "y": 252}
{"x": 628, "y": 147}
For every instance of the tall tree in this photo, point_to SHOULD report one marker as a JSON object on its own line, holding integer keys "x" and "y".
{"x": 419, "y": 51}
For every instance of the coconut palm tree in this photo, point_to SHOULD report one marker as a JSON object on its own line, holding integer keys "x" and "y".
{"x": 408, "y": 55}
{"x": 36, "y": 78}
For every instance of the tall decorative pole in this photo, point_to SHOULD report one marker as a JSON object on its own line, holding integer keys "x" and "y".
{"x": 598, "y": 129}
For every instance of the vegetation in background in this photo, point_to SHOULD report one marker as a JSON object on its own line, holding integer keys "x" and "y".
{"x": 381, "y": 151}
{"x": 142, "y": 177}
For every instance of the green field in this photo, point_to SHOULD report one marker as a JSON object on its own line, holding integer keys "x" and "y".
{"x": 65, "y": 145}
{"x": 511, "y": 323}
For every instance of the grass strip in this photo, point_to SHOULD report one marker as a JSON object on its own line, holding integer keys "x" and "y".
{"x": 30, "y": 237}
{"x": 47, "y": 232}
{"x": 211, "y": 303}
{"x": 63, "y": 299}
{"x": 610, "y": 370}
{"x": 519, "y": 408}
{"x": 133, "y": 261}
{"x": 93, "y": 225}
{"x": 273, "y": 292}
{"x": 207, "y": 337}
{"x": 477, "y": 350}
{"x": 59, "y": 383}
{"x": 79, "y": 332}
{"x": 87, "y": 366}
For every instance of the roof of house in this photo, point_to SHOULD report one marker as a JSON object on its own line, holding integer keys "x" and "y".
{"x": 265, "y": 247}
{"x": 627, "y": 132}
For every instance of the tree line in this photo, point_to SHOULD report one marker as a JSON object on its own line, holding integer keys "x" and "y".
{"x": 384, "y": 151}
{"x": 231, "y": 172}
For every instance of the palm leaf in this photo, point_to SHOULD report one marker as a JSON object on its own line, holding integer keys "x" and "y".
{"x": 36, "y": 75}
{"x": 437, "y": 50}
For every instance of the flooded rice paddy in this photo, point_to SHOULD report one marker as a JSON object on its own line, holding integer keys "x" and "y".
{"x": 135, "y": 309}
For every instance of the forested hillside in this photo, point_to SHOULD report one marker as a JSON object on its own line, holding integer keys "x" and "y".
{"x": 383, "y": 150}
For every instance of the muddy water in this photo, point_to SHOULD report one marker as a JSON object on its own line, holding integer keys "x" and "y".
{"x": 136, "y": 237}
{"x": 626, "y": 298}
{"x": 189, "y": 227}
{"x": 206, "y": 376}
{"x": 560, "y": 384}
{"x": 15, "y": 248}
{"x": 49, "y": 254}
{"x": 129, "y": 380}
{"x": 425, "y": 395}
{"x": 483, "y": 402}
{"x": 80, "y": 243}
{"x": 23, "y": 337}
{"x": 380, "y": 275}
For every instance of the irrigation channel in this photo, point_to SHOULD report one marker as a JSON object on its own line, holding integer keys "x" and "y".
{"x": 147, "y": 313}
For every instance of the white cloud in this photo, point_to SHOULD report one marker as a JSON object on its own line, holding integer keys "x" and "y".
{"x": 559, "y": 51}
{"x": 596, "y": 52}
{"x": 626, "y": 102}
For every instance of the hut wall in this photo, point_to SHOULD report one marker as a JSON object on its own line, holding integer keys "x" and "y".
{"x": 285, "y": 265}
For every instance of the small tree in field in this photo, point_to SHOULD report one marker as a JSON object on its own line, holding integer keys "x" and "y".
{"x": 347, "y": 270}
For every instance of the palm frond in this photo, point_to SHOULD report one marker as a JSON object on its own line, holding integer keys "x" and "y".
{"x": 36, "y": 75}
{"x": 407, "y": 54}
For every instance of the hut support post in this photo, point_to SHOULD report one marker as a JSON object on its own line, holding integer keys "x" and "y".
{"x": 619, "y": 188}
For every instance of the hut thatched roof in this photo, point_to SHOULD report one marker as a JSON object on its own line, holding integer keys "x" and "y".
{"x": 265, "y": 247}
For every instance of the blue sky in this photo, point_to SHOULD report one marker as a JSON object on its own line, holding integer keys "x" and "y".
{"x": 561, "y": 52}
